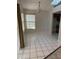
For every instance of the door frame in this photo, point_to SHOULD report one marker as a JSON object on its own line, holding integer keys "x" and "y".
{"x": 19, "y": 20}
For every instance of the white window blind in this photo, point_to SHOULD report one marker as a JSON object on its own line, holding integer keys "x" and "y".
{"x": 30, "y": 21}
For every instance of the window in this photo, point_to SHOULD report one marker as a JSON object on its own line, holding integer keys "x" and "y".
{"x": 55, "y": 2}
{"x": 30, "y": 21}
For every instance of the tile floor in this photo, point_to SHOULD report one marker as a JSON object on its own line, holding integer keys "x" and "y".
{"x": 38, "y": 45}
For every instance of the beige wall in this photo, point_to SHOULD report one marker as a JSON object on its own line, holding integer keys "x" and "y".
{"x": 43, "y": 20}
{"x": 22, "y": 17}
{"x": 18, "y": 42}
{"x": 33, "y": 4}
{"x": 59, "y": 37}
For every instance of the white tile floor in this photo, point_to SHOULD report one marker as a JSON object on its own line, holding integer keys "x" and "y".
{"x": 38, "y": 45}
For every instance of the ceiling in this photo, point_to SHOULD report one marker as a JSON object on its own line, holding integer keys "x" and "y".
{"x": 33, "y": 4}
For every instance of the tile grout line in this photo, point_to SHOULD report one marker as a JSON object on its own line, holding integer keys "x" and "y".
{"x": 41, "y": 47}
{"x": 30, "y": 49}
{"x": 46, "y": 47}
{"x": 49, "y": 44}
{"x": 35, "y": 49}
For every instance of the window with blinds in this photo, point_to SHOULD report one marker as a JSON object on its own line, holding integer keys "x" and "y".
{"x": 30, "y": 21}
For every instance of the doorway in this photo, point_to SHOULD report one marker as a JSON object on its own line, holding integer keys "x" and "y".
{"x": 56, "y": 22}
{"x": 19, "y": 20}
